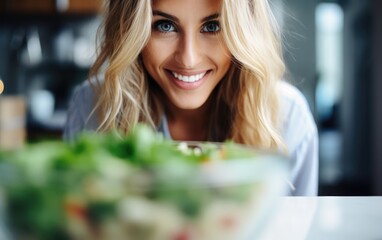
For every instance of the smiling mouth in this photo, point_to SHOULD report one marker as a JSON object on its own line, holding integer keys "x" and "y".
{"x": 189, "y": 78}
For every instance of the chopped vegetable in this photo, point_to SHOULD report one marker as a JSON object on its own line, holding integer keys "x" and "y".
{"x": 140, "y": 185}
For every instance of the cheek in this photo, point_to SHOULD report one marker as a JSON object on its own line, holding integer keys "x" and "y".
{"x": 155, "y": 53}
{"x": 223, "y": 58}
{"x": 219, "y": 53}
{"x": 148, "y": 55}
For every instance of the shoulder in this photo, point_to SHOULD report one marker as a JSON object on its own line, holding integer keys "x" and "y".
{"x": 86, "y": 89}
{"x": 297, "y": 121}
{"x": 85, "y": 93}
{"x": 291, "y": 98}
{"x": 290, "y": 94}
{"x": 81, "y": 115}
{"x": 300, "y": 134}
{"x": 83, "y": 98}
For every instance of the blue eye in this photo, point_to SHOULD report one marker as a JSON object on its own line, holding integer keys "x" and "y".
{"x": 211, "y": 27}
{"x": 165, "y": 26}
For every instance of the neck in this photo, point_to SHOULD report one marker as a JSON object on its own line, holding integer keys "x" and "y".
{"x": 188, "y": 125}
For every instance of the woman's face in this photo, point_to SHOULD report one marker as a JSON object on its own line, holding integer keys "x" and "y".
{"x": 185, "y": 54}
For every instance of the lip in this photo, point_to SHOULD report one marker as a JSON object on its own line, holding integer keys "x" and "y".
{"x": 187, "y": 85}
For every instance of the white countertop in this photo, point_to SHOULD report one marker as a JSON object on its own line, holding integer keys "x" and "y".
{"x": 326, "y": 218}
{"x": 320, "y": 218}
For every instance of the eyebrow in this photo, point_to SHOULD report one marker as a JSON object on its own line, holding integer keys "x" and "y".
{"x": 166, "y": 15}
{"x": 210, "y": 17}
{"x": 163, "y": 14}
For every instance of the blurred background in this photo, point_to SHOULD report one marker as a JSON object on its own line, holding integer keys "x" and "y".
{"x": 332, "y": 50}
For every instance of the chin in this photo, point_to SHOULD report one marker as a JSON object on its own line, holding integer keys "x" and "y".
{"x": 189, "y": 105}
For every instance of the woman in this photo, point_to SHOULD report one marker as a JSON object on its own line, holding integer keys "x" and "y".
{"x": 203, "y": 70}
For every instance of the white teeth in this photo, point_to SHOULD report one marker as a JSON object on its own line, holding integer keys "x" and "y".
{"x": 192, "y": 78}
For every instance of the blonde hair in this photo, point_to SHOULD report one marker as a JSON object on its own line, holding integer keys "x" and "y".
{"x": 247, "y": 104}
{"x": 123, "y": 94}
{"x": 253, "y": 39}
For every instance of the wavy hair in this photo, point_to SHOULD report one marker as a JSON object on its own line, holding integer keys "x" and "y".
{"x": 254, "y": 40}
{"x": 123, "y": 94}
{"x": 247, "y": 103}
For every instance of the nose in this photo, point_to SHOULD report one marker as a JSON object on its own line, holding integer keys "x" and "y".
{"x": 188, "y": 53}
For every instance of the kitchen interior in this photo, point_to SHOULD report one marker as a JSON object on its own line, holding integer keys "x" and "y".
{"x": 332, "y": 51}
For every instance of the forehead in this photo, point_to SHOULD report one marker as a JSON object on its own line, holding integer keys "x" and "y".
{"x": 182, "y": 7}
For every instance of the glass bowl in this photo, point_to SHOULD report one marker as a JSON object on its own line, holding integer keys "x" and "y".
{"x": 196, "y": 190}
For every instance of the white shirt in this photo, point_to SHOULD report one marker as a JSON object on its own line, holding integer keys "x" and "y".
{"x": 298, "y": 130}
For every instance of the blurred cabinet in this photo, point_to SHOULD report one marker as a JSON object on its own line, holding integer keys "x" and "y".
{"x": 47, "y": 48}
{"x": 28, "y": 6}
{"x": 51, "y": 6}
{"x": 85, "y": 6}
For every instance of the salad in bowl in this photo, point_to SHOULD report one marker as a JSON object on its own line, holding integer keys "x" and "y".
{"x": 139, "y": 186}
